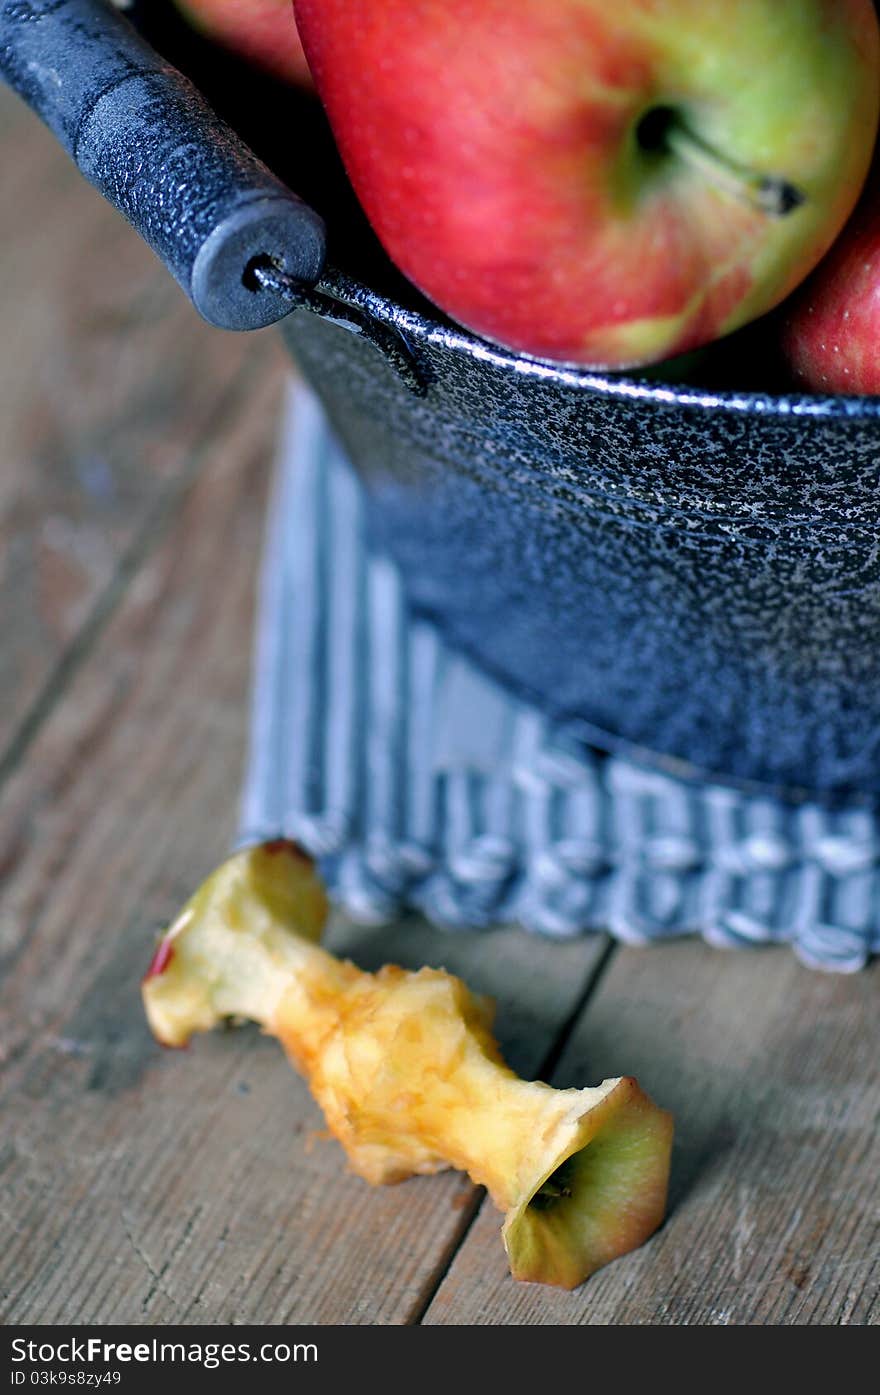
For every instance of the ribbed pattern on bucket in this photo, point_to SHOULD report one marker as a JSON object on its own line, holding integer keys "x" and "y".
{"x": 421, "y": 784}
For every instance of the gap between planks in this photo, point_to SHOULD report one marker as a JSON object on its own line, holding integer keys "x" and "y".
{"x": 542, "y": 1070}
{"x": 773, "y": 1075}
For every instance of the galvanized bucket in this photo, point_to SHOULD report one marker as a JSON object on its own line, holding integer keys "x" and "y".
{"x": 686, "y": 574}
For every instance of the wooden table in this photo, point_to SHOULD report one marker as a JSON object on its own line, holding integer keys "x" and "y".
{"x": 152, "y": 1187}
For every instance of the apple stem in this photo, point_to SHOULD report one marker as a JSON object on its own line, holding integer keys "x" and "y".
{"x": 770, "y": 194}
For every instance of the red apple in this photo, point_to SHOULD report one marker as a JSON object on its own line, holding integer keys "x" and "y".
{"x": 831, "y": 333}
{"x": 607, "y": 184}
{"x": 262, "y": 31}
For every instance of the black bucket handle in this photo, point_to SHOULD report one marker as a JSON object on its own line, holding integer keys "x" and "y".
{"x": 147, "y": 139}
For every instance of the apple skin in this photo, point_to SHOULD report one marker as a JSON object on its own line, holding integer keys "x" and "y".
{"x": 262, "y": 31}
{"x": 494, "y": 148}
{"x": 830, "y": 332}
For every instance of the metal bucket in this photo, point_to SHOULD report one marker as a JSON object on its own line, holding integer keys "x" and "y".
{"x": 688, "y": 575}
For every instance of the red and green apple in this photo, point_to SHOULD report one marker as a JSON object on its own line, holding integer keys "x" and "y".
{"x": 603, "y": 184}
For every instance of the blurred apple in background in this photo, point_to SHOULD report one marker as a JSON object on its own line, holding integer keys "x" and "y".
{"x": 262, "y": 31}
{"x": 605, "y": 184}
{"x": 831, "y": 331}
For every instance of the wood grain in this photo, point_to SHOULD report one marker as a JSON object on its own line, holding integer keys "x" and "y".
{"x": 109, "y": 383}
{"x": 146, "y": 1186}
{"x": 773, "y": 1073}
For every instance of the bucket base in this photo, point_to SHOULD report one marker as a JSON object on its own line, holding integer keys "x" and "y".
{"x": 420, "y": 783}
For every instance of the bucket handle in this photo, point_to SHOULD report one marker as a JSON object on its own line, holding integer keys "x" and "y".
{"x": 246, "y": 250}
{"x": 147, "y": 139}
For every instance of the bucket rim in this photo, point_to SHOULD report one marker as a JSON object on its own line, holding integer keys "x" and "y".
{"x": 422, "y": 327}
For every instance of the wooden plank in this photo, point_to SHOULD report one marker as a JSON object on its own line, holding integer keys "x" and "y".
{"x": 772, "y": 1072}
{"x": 109, "y": 381}
{"x": 146, "y": 1186}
